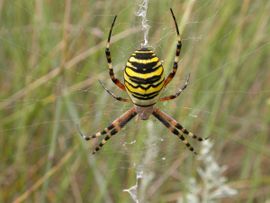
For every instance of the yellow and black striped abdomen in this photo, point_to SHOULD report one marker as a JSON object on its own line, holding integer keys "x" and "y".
{"x": 144, "y": 77}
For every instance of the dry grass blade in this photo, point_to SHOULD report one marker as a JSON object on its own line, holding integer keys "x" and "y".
{"x": 68, "y": 65}
{"x": 50, "y": 173}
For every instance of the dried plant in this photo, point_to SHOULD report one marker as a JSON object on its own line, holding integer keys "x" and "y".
{"x": 212, "y": 185}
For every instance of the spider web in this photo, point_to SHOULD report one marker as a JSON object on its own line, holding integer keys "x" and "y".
{"x": 142, "y": 146}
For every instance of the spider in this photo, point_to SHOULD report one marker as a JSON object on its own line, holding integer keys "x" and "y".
{"x": 143, "y": 81}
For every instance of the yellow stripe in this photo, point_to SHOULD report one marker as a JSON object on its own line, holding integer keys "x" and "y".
{"x": 143, "y": 61}
{"x": 146, "y": 51}
{"x": 128, "y": 80}
{"x": 130, "y": 65}
{"x": 142, "y": 91}
{"x": 132, "y": 73}
{"x": 144, "y": 85}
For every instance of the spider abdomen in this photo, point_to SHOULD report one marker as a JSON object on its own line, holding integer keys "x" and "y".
{"x": 144, "y": 77}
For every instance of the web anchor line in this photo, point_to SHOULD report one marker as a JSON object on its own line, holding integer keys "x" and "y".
{"x": 142, "y": 12}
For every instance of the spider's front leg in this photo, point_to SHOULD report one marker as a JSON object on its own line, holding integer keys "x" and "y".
{"x": 177, "y": 53}
{"x": 112, "y": 129}
{"x": 109, "y": 60}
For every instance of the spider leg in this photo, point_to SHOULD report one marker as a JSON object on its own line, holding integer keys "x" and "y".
{"x": 177, "y": 53}
{"x": 177, "y": 125}
{"x": 109, "y": 60}
{"x": 112, "y": 129}
{"x": 113, "y": 95}
{"x": 163, "y": 118}
{"x": 178, "y": 92}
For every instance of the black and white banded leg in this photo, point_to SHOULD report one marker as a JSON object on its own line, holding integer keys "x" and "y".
{"x": 112, "y": 129}
{"x": 109, "y": 60}
{"x": 178, "y": 92}
{"x": 113, "y": 95}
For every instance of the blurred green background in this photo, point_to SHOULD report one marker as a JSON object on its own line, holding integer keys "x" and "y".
{"x": 51, "y": 57}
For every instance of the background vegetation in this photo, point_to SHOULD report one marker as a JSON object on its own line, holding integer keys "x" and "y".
{"x": 51, "y": 57}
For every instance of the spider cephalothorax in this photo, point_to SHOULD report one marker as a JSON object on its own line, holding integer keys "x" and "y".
{"x": 143, "y": 81}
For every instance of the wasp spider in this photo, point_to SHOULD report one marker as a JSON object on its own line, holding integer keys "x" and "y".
{"x": 143, "y": 81}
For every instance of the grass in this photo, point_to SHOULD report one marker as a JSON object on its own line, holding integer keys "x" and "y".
{"x": 51, "y": 57}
